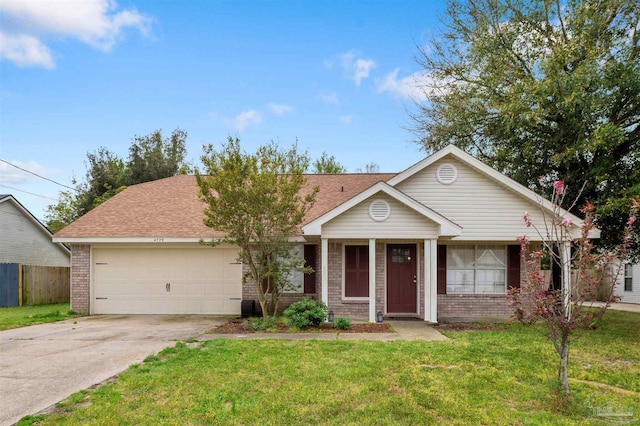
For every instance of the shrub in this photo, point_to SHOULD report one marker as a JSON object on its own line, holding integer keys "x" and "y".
{"x": 306, "y": 313}
{"x": 342, "y": 323}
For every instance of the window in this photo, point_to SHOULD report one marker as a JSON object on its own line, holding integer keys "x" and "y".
{"x": 356, "y": 271}
{"x": 479, "y": 269}
{"x": 296, "y": 277}
{"x": 628, "y": 278}
{"x": 401, "y": 255}
{"x": 299, "y": 282}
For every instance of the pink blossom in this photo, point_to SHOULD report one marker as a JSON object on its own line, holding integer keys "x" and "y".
{"x": 631, "y": 220}
{"x": 559, "y": 187}
{"x": 567, "y": 222}
{"x": 527, "y": 219}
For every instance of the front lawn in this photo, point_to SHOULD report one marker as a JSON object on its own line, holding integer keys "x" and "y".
{"x": 21, "y": 316}
{"x": 501, "y": 376}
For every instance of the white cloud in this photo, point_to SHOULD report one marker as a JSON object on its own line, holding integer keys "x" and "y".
{"x": 25, "y": 51}
{"x": 245, "y": 118}
{"x": 279, "y": 109}
{"x": 11, "y": 176}
{"x": 97, "y": 23}
{"x": 415, "y": 86}
{"x": 346, "y": 119}
{"x": 356, "y": 68}
{"x": 329, "y": 98}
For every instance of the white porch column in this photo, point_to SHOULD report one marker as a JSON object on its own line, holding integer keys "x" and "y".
{"x": 565, "y": 259}
{"x": 372, "y": 280}
{"x": 431, "y": 280}
{"x": 324, "y": 286}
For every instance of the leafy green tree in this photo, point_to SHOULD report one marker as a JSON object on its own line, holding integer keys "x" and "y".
{"x": 63, "y": 212}
{"x": 541, "y": 89}
{"x": 327, "y": 164}
{"x": 107, "y": 173}
{"x": 150, "y": 158}
{"x": 257, "y": 201}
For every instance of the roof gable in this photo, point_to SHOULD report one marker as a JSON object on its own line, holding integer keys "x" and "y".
{"x": 492, "y": 174}
{"x": 8, "y": 198}
{"x": 447, "y": 228}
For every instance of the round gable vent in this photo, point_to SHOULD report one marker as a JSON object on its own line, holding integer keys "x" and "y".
{"x": 447, "y": 173}
{"x": 379, "y": 210}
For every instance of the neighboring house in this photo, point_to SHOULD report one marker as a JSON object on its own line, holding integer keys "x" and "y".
{"x": 438, "y": 240}
{"x": 24, "y": 239}
{"x": 628, "y": 285}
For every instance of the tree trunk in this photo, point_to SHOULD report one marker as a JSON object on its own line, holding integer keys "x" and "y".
{"x": 564, "y": 368}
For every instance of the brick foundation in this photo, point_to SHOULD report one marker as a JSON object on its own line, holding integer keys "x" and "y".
{"x": 80, "y": 278}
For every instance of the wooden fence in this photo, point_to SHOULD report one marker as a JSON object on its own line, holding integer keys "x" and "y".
{"x": 33, "y": 285}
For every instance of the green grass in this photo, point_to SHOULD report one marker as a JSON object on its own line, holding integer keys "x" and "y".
{"x": 500, "y": 377}
{"x": 22, "y": 316}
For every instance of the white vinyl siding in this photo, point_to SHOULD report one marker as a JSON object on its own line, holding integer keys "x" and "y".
{"x": 23, "y": 241}
{"x": 485, "y": 209}
{"x": 403, "y": 222}
{"x": 166, "y": 281}
{"x": 476, "y": 269}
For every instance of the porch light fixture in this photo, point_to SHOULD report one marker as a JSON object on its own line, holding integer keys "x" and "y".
{"x": 331, "y": 316}
{"x": 379, "y": 317}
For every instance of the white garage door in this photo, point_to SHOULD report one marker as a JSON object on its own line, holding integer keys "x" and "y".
{"x": 166, "y": 281}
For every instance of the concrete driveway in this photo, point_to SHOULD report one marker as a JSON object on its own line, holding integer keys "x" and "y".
{"x": 43, "y": 364}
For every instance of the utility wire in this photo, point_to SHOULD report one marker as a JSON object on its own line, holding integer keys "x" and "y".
{"x": 35, "y": 174}
{"x": 27, "y": 192}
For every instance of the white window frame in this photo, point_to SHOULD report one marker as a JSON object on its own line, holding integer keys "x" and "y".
{"x": 475, "y": 268}
{"x": 628, "y": 275}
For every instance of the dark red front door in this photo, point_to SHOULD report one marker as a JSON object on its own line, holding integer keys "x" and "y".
{"x": 401, "y": 278}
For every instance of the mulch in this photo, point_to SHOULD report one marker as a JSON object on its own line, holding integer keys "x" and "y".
{"x": 235, "y": 327}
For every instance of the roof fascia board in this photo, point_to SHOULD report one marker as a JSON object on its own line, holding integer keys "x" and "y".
{"x": 109, "y": 240}
{"x": 447, "y": 227}
{"x": 139, "y": 240}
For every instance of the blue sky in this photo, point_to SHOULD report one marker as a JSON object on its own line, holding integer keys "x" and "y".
{"x": 338, "y": 76}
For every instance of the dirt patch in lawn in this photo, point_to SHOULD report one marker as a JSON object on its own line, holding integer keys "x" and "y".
{"x": 235, "y": 327}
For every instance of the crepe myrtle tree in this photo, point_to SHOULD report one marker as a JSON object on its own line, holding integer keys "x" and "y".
{"x": 561, "y": 315}
{"x": 257, "y": 201}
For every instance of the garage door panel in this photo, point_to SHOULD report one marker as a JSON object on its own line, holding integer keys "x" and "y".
{"x": 202, "y": 281}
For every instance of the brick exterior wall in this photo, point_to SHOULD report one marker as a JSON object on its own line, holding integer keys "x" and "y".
{"x": 473, "y": 306}
{"x": 80, "y": 278}
{"x": 449, "y": 305}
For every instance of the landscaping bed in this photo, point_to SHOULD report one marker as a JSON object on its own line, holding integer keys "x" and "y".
{"x": 239, "y": 326}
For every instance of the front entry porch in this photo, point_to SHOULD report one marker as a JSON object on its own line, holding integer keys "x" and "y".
{"x": 397, "y": 278}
